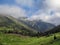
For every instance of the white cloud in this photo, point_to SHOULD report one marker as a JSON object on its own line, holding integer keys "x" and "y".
{"x": 28, "y": 3}
{"x": 54, "y": 4}
{"x": 38, "y": 17}
{"x": 54, "y": 19}
{"x": 45, "y": 14}
{"x": 12, "y": 10}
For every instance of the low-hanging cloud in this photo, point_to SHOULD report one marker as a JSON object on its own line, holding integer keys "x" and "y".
{"x": 54, "y": 19}
{"x": 12, "y": 10}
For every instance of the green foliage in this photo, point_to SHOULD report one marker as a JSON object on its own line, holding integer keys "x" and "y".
{"x": 13, "y": 39}
{"x": 11, "y": 32}
{"x": 12, "y": 25}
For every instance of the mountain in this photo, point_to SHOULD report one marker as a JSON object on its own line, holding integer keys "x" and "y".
{"x": 52, "y": 31}
{"x": 38, "y": 25}
{"x": 9, "y": 24}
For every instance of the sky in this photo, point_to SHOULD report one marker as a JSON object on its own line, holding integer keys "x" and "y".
{"x": 46, "y": 10}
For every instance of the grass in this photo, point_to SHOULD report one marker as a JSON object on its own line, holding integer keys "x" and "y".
{"x": 14, "y": 39}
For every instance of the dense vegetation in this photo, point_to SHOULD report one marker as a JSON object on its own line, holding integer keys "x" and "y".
{"x": 11, "y": 25}
{"x": 13, "y": 39}
{"x": 13, "y": 32}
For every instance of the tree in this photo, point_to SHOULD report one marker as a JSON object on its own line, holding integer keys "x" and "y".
{"x": 55, "y": 37}
{"x": 38, "y": 34}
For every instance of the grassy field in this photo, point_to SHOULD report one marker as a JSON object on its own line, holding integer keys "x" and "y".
{"x": 14, "y": 39}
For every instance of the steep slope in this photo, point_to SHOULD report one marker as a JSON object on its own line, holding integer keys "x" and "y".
{"x": 52, "y": 31}
{"x": 12, "y": 25}
{"x": 21, "y": 23}
{"x": 39, "y": 25}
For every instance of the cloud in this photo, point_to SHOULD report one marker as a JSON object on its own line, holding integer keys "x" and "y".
{"x": 31, "y": 6}
{"x": 41, "y": 16}
{"x": 48, "y": 10}
{"x": 28, "y": 3}
{"x": 12, "y": 10}
{"x": 54, "y": 4}
{"x": 50, "y": 13}
{"x": 54, "y": 18}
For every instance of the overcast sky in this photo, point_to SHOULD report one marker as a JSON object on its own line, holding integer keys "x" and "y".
{"x": 46, "y": 10}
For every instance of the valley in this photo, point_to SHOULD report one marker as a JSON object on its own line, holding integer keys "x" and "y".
{"x": 16, "y": 32}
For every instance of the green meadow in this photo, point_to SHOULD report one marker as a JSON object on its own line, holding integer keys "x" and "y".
{"x": 14, "y": 39}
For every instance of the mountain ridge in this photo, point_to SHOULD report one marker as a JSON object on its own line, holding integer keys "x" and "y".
{"x": 39, "y": 25}
{"x": 9, "y": 24}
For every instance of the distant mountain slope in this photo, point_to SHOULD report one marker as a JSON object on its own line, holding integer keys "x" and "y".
{"x": 8, "y": 23}
{"x": 54, "y": 30}
{"x": 26, "y": 27}
{"x": 21, "y": 24}
{"x": 38, "y": 25}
